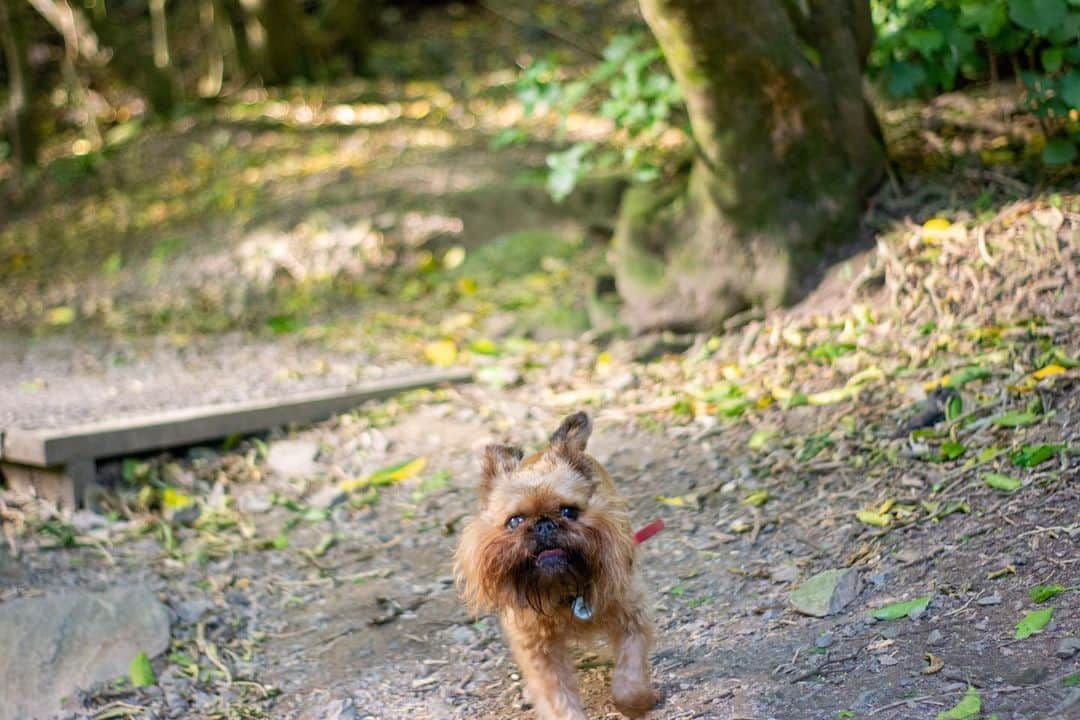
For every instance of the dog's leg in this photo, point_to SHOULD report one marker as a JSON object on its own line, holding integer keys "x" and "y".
{"x": 549, "y": 676}
{"x": 631, "y": 684}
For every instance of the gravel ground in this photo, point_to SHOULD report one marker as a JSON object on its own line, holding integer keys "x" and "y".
{"x": 58, "y": 381}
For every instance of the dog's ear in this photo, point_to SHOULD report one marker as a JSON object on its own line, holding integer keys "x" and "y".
{"x": 496, "y": 460}
{"x": 573, "y": 434}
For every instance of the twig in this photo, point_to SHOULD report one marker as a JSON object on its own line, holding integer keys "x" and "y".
{"x": 558, "y": 35}
{"x": 208, "y": 650}
{"x": 820, "y": 668}
{"x": 898, "y": 703}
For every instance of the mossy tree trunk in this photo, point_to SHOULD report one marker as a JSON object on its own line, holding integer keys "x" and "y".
{"x": 20, "y": 117}
{"x": 787, "y": 154}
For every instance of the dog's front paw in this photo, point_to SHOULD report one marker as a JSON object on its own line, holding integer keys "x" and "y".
{"x": 634, "y": 700}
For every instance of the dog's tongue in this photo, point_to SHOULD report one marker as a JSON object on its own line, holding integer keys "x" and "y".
{"x": 550, "y": 553}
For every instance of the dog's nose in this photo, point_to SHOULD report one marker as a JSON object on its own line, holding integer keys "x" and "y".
{"x": 545, "y": 531}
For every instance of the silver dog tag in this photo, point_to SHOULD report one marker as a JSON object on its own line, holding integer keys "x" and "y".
{"x": 582, "y": 611}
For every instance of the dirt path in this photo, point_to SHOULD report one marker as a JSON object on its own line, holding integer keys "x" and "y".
{"x": 372, "y": 625}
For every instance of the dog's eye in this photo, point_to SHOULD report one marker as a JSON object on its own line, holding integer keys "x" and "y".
{"x": 513, "y": 522}
{"x": 570, "y": 513}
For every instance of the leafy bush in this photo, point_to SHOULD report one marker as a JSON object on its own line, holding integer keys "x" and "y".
{"x": 922, "y": 48}
{"x": 640, "y": 98}
{"x": 925, "y": 47}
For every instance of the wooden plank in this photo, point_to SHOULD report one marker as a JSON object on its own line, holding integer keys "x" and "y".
{"x": 111, "y": 438}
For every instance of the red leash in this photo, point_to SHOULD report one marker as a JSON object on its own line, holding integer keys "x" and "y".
{"x": 648, "y": 531}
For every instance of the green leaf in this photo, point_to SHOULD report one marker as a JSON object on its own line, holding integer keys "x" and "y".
{"x": 397, "y": 473}
{"x": 1052, "y": 58}
{"x": 1033, "y": 623}
{"x": 897, "y": 610}
{"x": 951, "y": 450}
{"x": 760, "y": 438}
{"x": 831, "y": 350}
{"x": 966, "y": 375}
{"x": 140, "y": 671}
{"x": 1071, "y": 681}
{"x": 1042, "y": 593}
{"x": 1070, "y": 89}
{"x": 1004, "y": 483}
{"x": 954, "y": 408}
{"x": 1032, "y": 455}
{"x": 814, "y": 445}
{"x": 1040, "y": 16}
{"x": 1015, "y": 418}
{"x": 966, "y": 709}
{"x": 1059, "y": 151}
{"x": 925, "y": 40}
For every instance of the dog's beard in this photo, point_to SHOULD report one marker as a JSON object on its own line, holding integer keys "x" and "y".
{"x": 546, "y": 580}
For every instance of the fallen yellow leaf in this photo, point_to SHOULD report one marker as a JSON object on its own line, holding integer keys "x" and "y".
{"x": 173, "y": 499}
{"x": 829, "y": 397}
{"x": 453, "y": 257}
{"x": 758, "y": 498}
{"x": 872, "y": 518}
{"x": 1048, "y": 371}
{"x": 441, "y": 352}
{"x": 62, "y": 315}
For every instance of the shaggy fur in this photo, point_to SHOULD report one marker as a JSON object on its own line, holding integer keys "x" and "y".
{"x": 570, "y": 538}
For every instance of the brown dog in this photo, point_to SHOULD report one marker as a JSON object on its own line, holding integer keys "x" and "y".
{"x": 552, "y": 552}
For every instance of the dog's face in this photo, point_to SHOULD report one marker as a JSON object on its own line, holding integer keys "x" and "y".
{"x": 548, "y": 530}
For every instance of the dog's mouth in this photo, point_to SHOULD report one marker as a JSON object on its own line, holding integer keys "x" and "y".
{"x": 552, "y": 558}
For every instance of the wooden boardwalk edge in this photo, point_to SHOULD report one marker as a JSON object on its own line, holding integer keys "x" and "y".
{"x": 75, "y": 445}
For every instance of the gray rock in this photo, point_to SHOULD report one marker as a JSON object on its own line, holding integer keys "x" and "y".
{"x": 826, "y": 593}
{"x": 994, "y": 599}
{"x": 934, "y": 637}
{"x": 293, "y": 458}
{"x": 1066, "y": 647}
{"x": 824, "y": 641}
{"x": 53, "y": 645}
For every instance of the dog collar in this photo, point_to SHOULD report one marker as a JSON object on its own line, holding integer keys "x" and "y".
{"x": 581, "y": 608}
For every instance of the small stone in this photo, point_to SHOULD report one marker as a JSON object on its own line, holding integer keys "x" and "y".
{"x": 887, "y": 660}
{"x": 462, "y": 635}
{"x": 994, "y": 599}
{"x": 1066, "y": 647}
{"x": 784, "y": 573}
{"x": 293, "y": 458}
{"x": 934, "y": 638}
{"x": 254, "y": 503}
{"x": 328, "y": 497}
{"x": 334, "y": 710}
{"x": 191, "y": 611}
{"x": 824, "y": 641}
{"x": 623, "y": 381}
{"x": 891, "y": 631}
{"x": 826, "y": 593}
{"x": 1031, "y": 676}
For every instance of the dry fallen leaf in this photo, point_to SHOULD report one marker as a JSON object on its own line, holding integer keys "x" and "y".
{"x": 935, "y": 664}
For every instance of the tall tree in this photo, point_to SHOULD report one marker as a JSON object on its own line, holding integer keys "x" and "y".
{"x": 277, "y": 40}
{"x": 20, "y": 116}
{"x": 787, "y": 154}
